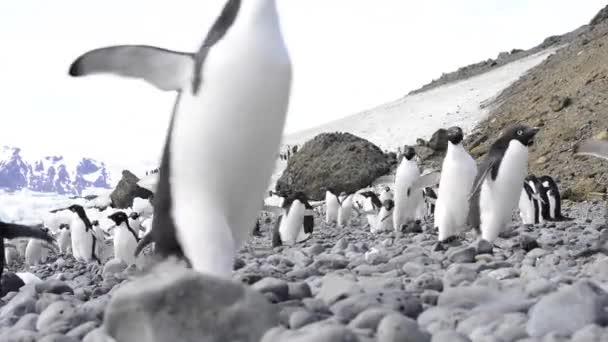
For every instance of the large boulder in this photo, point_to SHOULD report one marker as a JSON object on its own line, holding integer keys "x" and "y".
{"x": 126, "y": 190}
{"x": 439, "y": 140}
{"x": 339, "y": 160}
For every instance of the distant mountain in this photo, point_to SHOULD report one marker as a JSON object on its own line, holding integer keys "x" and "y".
{"x": 54, "y": 174}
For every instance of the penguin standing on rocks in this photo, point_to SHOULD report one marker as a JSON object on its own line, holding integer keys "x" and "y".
{"x": 125, "y": 238}
{"x": 370, "y": 207}
{"x": 384, "y": 219}
{"x": 84, "y": 241}
{"x": 386, "y": 194}
{"x": 457, "y": 176}
{"x": 64, "y": 240}
{"x": 551, "y": 191}
{"x": 332, "y": 205}
{"x": 529, "y": 210}
{"x": 295, "y": 222}
{"x": 497, "y": 188}
{"x": 346, "y": 208}
{"x": 10, "y": 253}
{"x": 100, "y": 234}
{"x": 407, "y": 199}
{"x": 205, "y": 202}
{"x": 37, "y": 251}
{"x": 9, "y": 281}
{"x": 540, "y": 197}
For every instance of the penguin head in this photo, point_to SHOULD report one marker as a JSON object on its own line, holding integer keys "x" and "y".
{"x": 134, "y": 215}
{"x": 118, "y": 217}
{"x": 388, "y": 204}
{"x": 298, "y": 195}
{"x": 455, "y": 135}
{"x": 95, "y": 223}
{"x": 387, "y": 189}
{"x": 523, "y": 134}
{"x": 331, "y": 189}
{"x": 409, "y": 152}
{"x": 75, "y": 208}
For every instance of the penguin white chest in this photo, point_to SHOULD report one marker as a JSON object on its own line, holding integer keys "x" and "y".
{"x": 292, "y": 224}
{"x": 224, "y": 140}
{"x": 64, "y": 241}
{"x": 124, "y": 244}
{"x": 346, "y": 210}
{"x": 458, "y": 174}
{"x": 407, "y": 200}
{"x": 82, "y": 241}
{"x": 333, "y": 206}
{"x": 499, "y": 198}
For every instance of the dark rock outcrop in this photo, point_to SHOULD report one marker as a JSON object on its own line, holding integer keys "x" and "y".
{"x": 126, "y": 190}
{"x": 340, "y": 160}
{"x": 439, "y": 140}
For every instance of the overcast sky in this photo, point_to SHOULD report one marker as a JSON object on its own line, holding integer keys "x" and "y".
{"x": 348, "y": 55}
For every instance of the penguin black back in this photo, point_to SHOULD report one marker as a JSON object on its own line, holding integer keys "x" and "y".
{"x": 373, "y": 197}
{"x": 553, "y": 188}
{"x": 78, "y": 209}
{"x": 530, "y": 196}
{"x": 544, "y": 199}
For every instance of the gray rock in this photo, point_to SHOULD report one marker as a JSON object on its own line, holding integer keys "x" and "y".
{"x": 300, "y": 318}
{"x": 539, "y": 287}
{"x": 57, "y": 338}
{"x": 173, "y": 302}
{"x": 426, "y": 281}
{"x": 483, "y": 246}
{"x": 59, "y": 317}
{"x": 299, "y": 290}
{"x": 299, "y": 258}
{"x": 113, "y": 267}
{"x": 457, "y": 274}
{"x": 590, "y": 333}
{"x": 26, "y": 322}
{"x": 23, "y": 303}
{"x": 400, "y": 301}
{"x": 330, "y": 333}
{"x": 509, "y": 327}
{"x": 315, "y": 249}
{"x": 370, "y": 318}
{"x": 467, "y": 297}
{"x": 329, "y": 262}
{"x": 504, "y": 273}
{"x": 462, "y": 255}
{"x": 99, "y": 335}
{"x": 398, "y": 328}
{"x": 53, "y": 286}
{"x": 273, "y": 285}
{"x": 336, "y": 288}
{"x": 19, "y": 336}
{"x": 449, "y": 336}
{"x": 82, "y": 330}
{"x": 568, "y": 310}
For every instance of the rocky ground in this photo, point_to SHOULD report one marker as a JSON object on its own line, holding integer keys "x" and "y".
{"x": 342, "y": 285}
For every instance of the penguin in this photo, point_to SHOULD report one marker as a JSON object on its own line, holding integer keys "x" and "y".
{"x": 553, "y": 197}
{"x": 205, "y": 202}
{"x": 540, "y": 197}
{"x": 36, "y": 251}
{"x": 430, "y": 198}
{"x": 135, "y": 221}
{"x": 407, "y": 199}
{"x": 345, "y": 210}
{"x": 295, "y": 223}
{"x": 84, "y": 240}
{"x": 10, "y": 253}
{"x": 529, "y": 210}
{"x": 386, "y": 194}
{"x": 125, "y": 238}
{"x": 10, "y": 282}
{"x": 497, "y": 187}
{"x": 458, "y": 173}
{"x": 332, "y": 206}
{"x": 370, "y": 207}
{"x": 146, "y": 226}
{"x": 100, "y": 235}
{"x": 384, "y": 219}
{"x": 64, "y": 240}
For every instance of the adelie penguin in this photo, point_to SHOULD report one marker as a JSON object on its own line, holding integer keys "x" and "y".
{"x": 430, "y": 198}
{"x": 295, "y": 222}
{"x": 345, "y": 210}
{"x": 84, "y": 240}
{"x": 458, "y": 173}
{"x": 529, "y": 209}
{"x": 239, "y": 81}
{"x": 37, "y": 251}
{"x": 332, "y": 205}
{"x": 554, "y": 198}
{"x": 539, "y": 196}
{"x": 11, "y": 281}
{"x": 125, "y": 238}
{"x": 64, "y": 239}
{"x": 497, "y": 187}
{"x": 384, "y": 219}
{"x": 370, "y": 207}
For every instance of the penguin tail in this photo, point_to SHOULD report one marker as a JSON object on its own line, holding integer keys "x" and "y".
{"x": 146, "y": 240}
{"x": 13, "y": 231}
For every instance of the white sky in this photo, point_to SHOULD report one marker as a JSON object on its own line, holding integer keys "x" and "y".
{"x": 348, "y": 55}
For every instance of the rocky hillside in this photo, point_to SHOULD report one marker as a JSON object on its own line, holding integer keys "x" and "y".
{"x": 567, "y": 96}
{"x": 50, "y": 173}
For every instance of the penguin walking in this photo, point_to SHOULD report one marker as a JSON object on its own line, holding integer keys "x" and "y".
{"x": 100, "y": 235}
{"x": 125, "y": 238}
{"x": 458, "y": 173}
{"x": 36, "y": 251}
{"x": 205, "y": 203}
{"x": 384, "y": 219}
{"x": 370, "y": 207}
{"x": 529, "y": 210}
{"x": 295, "y": 222}
{"x": 332, "y": 206}
{"x": 551, "y": 191}
{"x": 407, "y": 199}
{"x": 84, "y": 241}
{"x": 497, "y": 187}
{"x": 64, "y": 239}
{"x": 9, "y": 281}
{"x": 345, "y": 211}
{"x": 540, "y": 197}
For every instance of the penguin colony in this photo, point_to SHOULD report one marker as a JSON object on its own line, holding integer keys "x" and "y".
{"x": 205, "y": 206}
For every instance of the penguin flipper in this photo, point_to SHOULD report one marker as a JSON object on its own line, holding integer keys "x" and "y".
{"x": 164, "y": 69}
{"x": 13, "y": 231}
{"x": 427, "y": 180}
{"x": 595, "y": 148}
{"x": 146, "y": 240}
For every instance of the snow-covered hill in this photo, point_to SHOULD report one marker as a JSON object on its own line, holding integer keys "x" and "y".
{"x": 50, "y": 174}
{"x": 402, "y": 121}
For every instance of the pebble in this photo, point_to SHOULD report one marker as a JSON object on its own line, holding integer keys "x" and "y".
{"x": 278, "y": 287}
{"x": 462, "y": 255}
{"x": 398, "y": 328}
